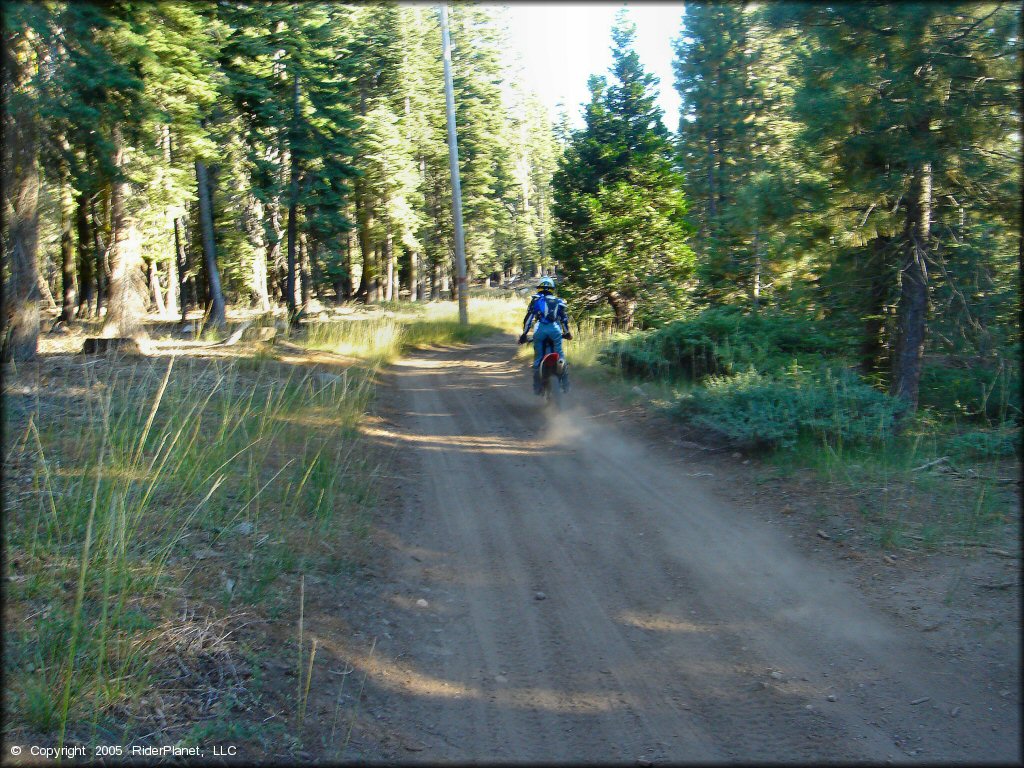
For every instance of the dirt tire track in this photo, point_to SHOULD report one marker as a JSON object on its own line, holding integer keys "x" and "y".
{"x": 665, "y": 611}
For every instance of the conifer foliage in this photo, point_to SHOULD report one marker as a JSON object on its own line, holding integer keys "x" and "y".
{"x": 618, "y": 197}
{"x": 201, "y": 154}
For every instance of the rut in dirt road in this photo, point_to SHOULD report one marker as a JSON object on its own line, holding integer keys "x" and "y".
{"x": 584, "y": 599}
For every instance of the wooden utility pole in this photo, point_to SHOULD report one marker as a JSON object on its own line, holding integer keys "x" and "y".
{"x": 453, "y": 160}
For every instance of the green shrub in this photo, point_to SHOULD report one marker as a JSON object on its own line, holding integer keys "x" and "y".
{"x": 1000, "y": 441}
{"x": 724, "y": 341}
{"x": 761, "y": 411}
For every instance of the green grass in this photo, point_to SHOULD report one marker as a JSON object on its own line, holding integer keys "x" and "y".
{"x": 150, "y": 468}
{"x": 902, "y": 502}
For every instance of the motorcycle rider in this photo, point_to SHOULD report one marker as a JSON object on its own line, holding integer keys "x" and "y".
{"x": 552, "y": 320}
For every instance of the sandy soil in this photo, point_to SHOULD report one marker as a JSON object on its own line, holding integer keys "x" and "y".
{"x": 582, "y": 587}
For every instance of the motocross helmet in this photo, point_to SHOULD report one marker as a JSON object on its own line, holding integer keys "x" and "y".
{"x": 546, "y": 283}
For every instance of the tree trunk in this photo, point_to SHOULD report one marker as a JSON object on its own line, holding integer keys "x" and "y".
{"x": 86, "y": 258}
{"x": 315, "y": 275}
{"x": 293, "y": 198}
{"x": 21, "y": 190}
{"x": 156, "y": 290}
{"x": 258, "y": 278}
{"x": 363, "y": 233}
{"x": 69, "y": 290}
{"x": 755, "y": 286}
{"x": 389, "y": 258}
{"x": 275, "y": 264}
{"x": 292, "y": 240}
{"x": 374, "y": 290}
{"x": 912, "y": 309}
{"x": 181, "y": 259}
{"x": 305, "y": 272}
{"x": 414, "y": 276}
{"x": 171, "y": 305}
{"x": 126, "y": 304}
{"x": 101, "y": 256}
{"x": 171, "y": 296}
{"x": 624, "y": 308}
{"x": 346, "y": 284}
{"x": 218, "y": 317}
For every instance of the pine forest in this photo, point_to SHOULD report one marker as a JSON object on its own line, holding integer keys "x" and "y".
{"x": 226, "y": 223}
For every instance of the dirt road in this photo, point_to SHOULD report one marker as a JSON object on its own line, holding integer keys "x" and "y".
{"x": 561, "y": 590}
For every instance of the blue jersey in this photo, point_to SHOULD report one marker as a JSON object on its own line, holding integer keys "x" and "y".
{"x": 546, "y": 309}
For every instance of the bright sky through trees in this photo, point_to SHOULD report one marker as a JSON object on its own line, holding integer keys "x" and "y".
{"x": 562, "y": 44}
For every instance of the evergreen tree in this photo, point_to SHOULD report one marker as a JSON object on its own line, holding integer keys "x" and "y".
{"x": 618, "y": 202}
{"x": 22, "y": 31}
{"x": 908, "y": 103}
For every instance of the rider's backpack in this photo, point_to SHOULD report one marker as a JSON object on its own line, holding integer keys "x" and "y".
{"x": 545, "y": 308}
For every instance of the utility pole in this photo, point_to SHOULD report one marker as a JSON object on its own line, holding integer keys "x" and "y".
{"x": 453, "y": 160}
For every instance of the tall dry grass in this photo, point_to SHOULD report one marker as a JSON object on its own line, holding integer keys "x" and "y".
{"x": 127, "y": 487}
{"x": 382, "y": 336}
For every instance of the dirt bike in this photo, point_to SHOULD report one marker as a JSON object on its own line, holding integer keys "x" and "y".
{"x": 552, "y": 368}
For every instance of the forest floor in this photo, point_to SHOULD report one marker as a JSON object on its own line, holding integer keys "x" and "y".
{"x": 597, "y": 585}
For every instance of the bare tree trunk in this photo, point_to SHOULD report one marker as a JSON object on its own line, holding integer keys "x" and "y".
{"x": 291, "y": 283}
{"x": 275, "y": 264}
{"x": 171, "y": 305}
{"x": 293, "y": 200}
{"x": 624, "y": 308}
{"x": 912, "y": 309}
{"x": 181, "y": 259}
{"x": 343, "y": 281}
{"x": 171, "y": 296}
{"x": 755, "y": 288}
{"x": 86, "y": 258}
{"x": 69, "y": 289}
{"x": 156, "y": 290}
{"x": 304, "y": 273}
{"x": 21, "y": 206}
{"x": 217, "y": 309}
{"x": 312, "y": 252}
{"x": 363, "y": 217}
{"x": 389, "y": 258}
{"x": 254, "y": 228}
{"x": 127, "y": 301}
{"x": 101, "y": 255}
{"x": 414, "y": 273}
{"x": 375, "y": 291}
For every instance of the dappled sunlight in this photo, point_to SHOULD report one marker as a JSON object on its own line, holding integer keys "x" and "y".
{"x": 470, "y": 443}
{"x": 660, "y": 622}
{"x": 311, "y": 420}
{"x": 400, "y": 676}
{"x": 420, "y": 363}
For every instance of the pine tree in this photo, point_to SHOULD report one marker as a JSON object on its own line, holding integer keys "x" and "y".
{"x": 22, "y": 31}
{"x": 903, "y": 99}
{"x": 618, "y": 203}
{"x": 744, "y": 180}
